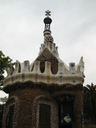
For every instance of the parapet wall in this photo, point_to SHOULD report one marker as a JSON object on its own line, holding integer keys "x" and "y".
{"x": 24, "y": 72}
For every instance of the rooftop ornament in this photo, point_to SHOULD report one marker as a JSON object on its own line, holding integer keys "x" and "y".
{"x": 47, "y": 13}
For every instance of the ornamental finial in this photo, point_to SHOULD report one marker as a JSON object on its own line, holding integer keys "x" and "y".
{"x": 47, "y": 13}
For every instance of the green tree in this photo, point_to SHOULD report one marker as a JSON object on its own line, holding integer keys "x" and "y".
{"x": 90, "y": 102}
{"x": 5, "y": 62}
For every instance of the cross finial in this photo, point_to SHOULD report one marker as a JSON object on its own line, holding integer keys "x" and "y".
{"x": 47, "y": 13}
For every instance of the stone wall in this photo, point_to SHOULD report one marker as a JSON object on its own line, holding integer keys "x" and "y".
{"x": 26, "y": 97}
{"x": 27, "y": 94}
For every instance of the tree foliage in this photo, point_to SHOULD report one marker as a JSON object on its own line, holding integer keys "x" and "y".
{"x": 90, "y": 103}
{"x": 5, "y": 62}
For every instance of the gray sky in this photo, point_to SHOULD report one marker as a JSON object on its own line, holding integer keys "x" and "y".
{"x": 73, "y": 29}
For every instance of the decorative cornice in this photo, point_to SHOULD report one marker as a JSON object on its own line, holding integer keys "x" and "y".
{"x": 65, "y": 75}
{"x": 44, "y": 78}
{"x": 48, "y": 87}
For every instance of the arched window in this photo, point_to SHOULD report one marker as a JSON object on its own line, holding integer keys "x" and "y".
{"x": 45, "y": 113}
{"x": 9, "y": 117}
{"x": 10, "y": 113}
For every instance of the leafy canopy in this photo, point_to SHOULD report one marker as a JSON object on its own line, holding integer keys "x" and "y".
{"x": 5, "y": 62}
{"x": 89, "y": 101}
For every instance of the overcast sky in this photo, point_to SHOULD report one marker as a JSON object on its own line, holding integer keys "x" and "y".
{"x": 73, "y": 29}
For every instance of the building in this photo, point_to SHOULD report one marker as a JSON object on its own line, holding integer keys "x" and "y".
{"x": 46, "y": 93}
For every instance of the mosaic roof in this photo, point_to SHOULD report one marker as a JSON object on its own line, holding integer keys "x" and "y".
{"x": 46, "y": 68}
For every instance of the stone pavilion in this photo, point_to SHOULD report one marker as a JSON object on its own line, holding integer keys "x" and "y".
{"x": 46, "y": 93}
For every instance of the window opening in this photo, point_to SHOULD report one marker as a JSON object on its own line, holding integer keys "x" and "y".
{"x": 44, "y": 116}
{"x": 9, "y": 118}
{"x": 54, "y": 67}
{"x": 65, "y": 114}
{"x": 42, "y": 67}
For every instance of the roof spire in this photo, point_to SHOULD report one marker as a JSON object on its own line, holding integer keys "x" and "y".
{"x": 47, "y": 22}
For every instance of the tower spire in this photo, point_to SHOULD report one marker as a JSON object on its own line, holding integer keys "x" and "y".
{"x": 47, "y": 21}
